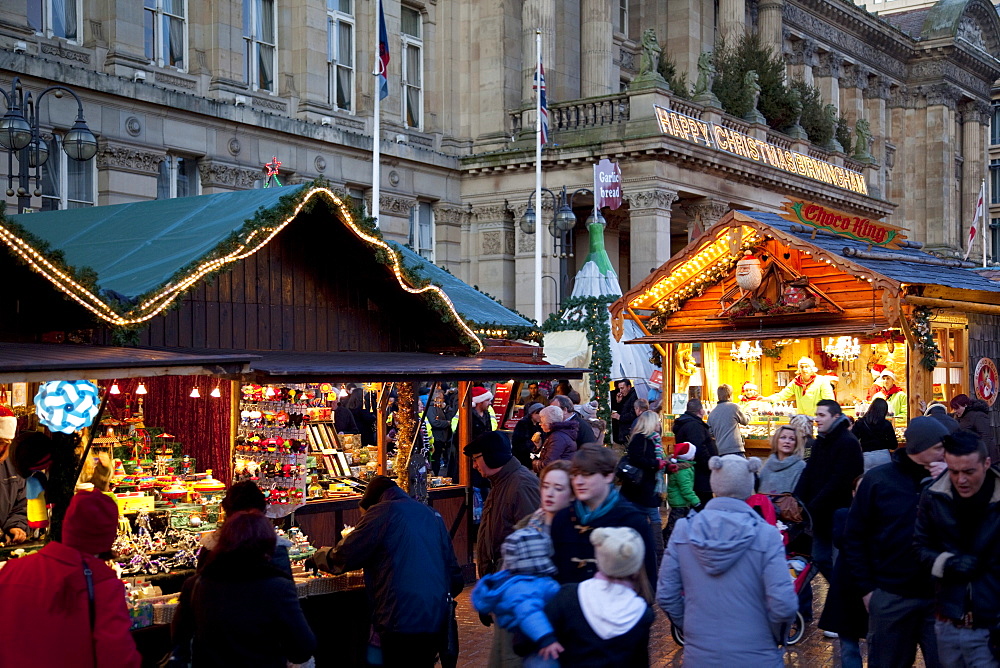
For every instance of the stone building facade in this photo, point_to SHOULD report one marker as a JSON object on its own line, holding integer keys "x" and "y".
{"x": 194, "y": 97}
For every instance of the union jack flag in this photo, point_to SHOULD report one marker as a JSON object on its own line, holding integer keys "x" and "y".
{"x": 382, "y": 64}
{"x": 539, "y": 86}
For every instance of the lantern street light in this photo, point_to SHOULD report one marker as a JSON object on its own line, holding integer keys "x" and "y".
{"x": 561, "y": 228}
{"x": 20, "y": 134}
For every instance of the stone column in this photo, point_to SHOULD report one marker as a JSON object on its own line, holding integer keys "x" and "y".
{"x": 875, "y": 97}
{"x": 449, "y": 224}
{"x": 304, "y": 70}
{"x": 827, "y": 78}
{"x": 801, "y": 57}
{"x": 596, "y": 42}
{"x": 853, "y": 83}
{"x": 123, "y": 171}
{"x": 524, "y": 298}
{"x": 769, "y": 22}
{"x": 939, "y": 170}
{"x": 649, "y": 219}
{"x": 732, "y": 19}
{"x": 537, "y": 15}
{"x": 495, "y": 252}
{"x": 703, "y": 212}
{"x": 975, "y": 118}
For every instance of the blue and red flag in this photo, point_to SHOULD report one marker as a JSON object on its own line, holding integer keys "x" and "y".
{"x": 539, "y": 85}
{"x": 382, "y": 66}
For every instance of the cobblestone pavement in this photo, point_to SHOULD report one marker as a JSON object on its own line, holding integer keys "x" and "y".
{"x": 812, "y": 651}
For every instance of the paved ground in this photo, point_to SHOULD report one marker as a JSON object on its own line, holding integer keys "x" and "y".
{"x": 813, "y": 651}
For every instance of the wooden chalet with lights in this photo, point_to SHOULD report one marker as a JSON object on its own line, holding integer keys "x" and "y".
{"x": 747, "y": 300}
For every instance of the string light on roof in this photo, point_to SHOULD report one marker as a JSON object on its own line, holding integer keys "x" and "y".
{"x": 163, "y": 299}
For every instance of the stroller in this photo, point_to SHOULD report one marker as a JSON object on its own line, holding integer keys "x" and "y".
{"x": 791, "y": 518}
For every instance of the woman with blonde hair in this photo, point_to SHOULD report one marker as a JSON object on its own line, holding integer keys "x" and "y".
{"x": 782, "y": 469}
{"x": 645, "y": 452}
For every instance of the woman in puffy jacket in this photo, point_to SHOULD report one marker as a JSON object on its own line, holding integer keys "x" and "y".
{"x": 974, "y": 415}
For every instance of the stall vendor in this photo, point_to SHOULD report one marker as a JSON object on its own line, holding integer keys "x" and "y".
{"x": 807, "y": 388}
{"x": 13, "y": 504}
{"x": 885, "y": 387}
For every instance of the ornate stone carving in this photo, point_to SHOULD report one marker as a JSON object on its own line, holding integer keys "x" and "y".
{"x": 133, "y": 126}
{"x": 878, "y": 89}
{"x": 393, "y": 178}
{"x": 830, "y": 65}
{"x": 58, "y": 50}
{"x": 651, "y": 199}
{"x": 320, "y": 163}
{"x": 268, "y": 103}
{"x": 450, "y": 214}
{"x": 127, "y": 159}
{"x": 493, "y": 213}
{"x": 171, "y": 80}
{"x": 234, "y": 146}
{"x": 890, "y": 155}
{"x": 877, "y": 47}
{"x": 976, "y": 111}
{"x": 395, "y": 204}
{"x": 349, "y": 123}
{"x": 227, "y": 176}
{"x": 970, "y": 31}
{"x": 626, "y": 59}
{"x": 703, "y": 213}
{"x": 525, "y": 243}
{"x": 492, "y": 242}
{"x": 942, "y": 94}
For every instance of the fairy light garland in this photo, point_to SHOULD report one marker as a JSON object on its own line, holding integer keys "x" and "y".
{"x": 168, "y": 294}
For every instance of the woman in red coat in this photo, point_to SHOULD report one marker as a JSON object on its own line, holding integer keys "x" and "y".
{"x": 44, "y": 601}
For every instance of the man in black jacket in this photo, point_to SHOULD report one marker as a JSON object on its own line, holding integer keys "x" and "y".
{"x": 958, "y": 540}
{"x": 827, "y": 481}
{"x": 410, "y": 568}
{"x": 623, "y": 410}
{"x": 878, "y": 549}
{"x": 691, "y": 428}
{"x": 521, "y": 439}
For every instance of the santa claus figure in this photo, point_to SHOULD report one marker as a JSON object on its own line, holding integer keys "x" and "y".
{"x": 748, "y": 273}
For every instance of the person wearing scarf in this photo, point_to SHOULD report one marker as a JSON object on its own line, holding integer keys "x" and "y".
{"x": 598, "y": 504}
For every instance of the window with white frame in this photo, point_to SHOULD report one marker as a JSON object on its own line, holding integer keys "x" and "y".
{"x": 994, "y": 181}
{"x": 422, "y": 230}
{"x": 67, "y": 183}
{"x": 358, "y": 195}
{"x": 178, "y": 177}
{"x": 164, "y": 25}
{"x": 623, "y": 17}
{"x": 413, "y": 68}
{"x": 260, "y": 35}
{"x": 995, "y": 124}
{"x": 56, "y": 18}
{"x": 340, "y": 53}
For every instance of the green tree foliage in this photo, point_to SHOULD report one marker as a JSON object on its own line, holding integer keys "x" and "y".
{"x": 733, "y": 62}
{"x": 813, "y": 120}
{"x": 677, "y": 81}
{"x": 844, "y": 135}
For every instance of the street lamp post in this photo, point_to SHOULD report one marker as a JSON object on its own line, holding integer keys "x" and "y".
{"x": 561, "y": 228}
{"x": 20, "y": 133}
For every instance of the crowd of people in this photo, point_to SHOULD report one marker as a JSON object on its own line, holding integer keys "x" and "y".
{"x": 572, "y": 556}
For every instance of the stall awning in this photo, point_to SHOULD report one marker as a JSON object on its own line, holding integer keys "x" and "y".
{"x": 382, "y": 367}
{"x": 37, "y": 362}
{"x": 803, "y": 332}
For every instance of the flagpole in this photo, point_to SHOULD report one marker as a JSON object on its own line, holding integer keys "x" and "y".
{"x": 377, "y": 125}
{"x": 538, "y": 178}
{"x": 986, "y": 229}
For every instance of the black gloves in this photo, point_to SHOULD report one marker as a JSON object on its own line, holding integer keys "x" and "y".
{"x": 485, "y": 619}
{"x": 310, "y": 565}
{"x": 961, "y": 567}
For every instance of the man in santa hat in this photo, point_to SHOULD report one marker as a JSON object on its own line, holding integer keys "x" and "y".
{"x": 483, "y": 417}
{"x": 13, "y": 503}
{"x": 886, "y": 388}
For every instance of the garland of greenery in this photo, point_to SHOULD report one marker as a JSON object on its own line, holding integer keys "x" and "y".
{"x": 920, "y": 324}
{"x": 593, "y": 318}
{"x": 85, "y": 276}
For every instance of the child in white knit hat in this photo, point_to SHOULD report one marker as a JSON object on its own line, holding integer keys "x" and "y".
{"x": 606, "y": 620}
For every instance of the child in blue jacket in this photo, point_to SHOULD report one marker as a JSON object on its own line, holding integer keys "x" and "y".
{"x": 517, "y": 595}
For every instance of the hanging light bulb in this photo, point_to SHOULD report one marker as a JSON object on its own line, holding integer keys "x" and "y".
{"x": 141, "y": 389}
{"x": 269, "y": 392}
{"x": 195, "y": 394}
{"x": 114, "y": 388}
{"x": 216, "y": 392}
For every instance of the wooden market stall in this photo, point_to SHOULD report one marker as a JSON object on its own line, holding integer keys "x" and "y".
{"x": 744, "y": 302}
{"x": 310, "y": 298}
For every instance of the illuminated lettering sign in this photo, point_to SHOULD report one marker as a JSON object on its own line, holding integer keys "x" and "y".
{"x": 843, "y": 224}
{"x": 722, "y": 138}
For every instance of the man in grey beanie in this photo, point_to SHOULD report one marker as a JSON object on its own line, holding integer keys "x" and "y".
{"x": 878, "y": 548}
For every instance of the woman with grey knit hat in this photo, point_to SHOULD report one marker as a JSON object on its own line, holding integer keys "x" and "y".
{"x": 606, "y": 620}
{"x": 725, "y": 568}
